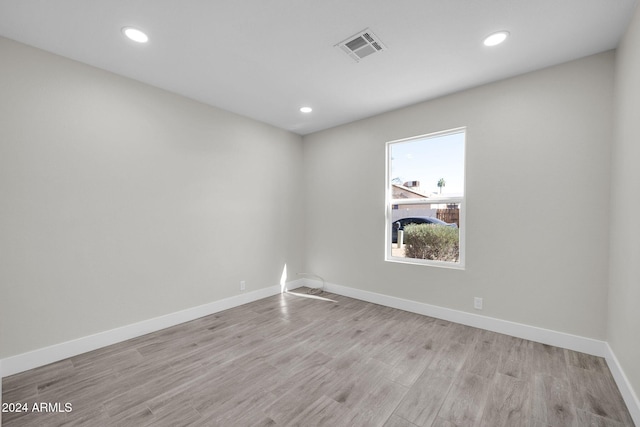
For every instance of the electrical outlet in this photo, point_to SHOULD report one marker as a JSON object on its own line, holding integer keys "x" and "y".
{"x": 242, "y": 285}
{"x": 477, "y": 303}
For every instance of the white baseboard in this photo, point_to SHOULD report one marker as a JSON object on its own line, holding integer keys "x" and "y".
{"x": 33, "y": 359}
{"x": 629, "y": 396}
{"x": 532, "y": 333}
{"x": 43, "y": 356}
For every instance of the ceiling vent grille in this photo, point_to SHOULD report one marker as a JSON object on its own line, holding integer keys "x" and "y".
{"x": 361, "y": 45}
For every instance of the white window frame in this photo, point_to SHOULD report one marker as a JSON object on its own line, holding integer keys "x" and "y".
{"x": 390, "y": 202}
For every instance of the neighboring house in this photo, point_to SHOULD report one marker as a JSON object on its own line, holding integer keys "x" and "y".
{"x": 410, "y": 192}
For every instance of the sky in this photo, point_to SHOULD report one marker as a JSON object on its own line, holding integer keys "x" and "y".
{"x": 429, "y": 159}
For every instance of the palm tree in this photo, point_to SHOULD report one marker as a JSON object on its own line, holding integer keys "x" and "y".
{"x": 441, "y": 184}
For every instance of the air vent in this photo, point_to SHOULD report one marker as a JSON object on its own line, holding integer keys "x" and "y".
{"x": 361, "y": 45}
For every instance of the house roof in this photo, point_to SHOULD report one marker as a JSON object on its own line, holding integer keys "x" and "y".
{"x": 408, "y": 193}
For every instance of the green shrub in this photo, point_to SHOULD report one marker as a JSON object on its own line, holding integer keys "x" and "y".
{"x": 431, "y": 241}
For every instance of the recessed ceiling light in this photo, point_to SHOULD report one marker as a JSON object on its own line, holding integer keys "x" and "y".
{"x": 306, "y": 109}
{"x": 135, "y": 34}
{"x": 496, "y": 38}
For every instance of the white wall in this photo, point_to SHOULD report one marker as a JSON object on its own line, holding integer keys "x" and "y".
{"x": 121, "y": 202}
{"x": 538, "y": 151}
{"x": 624, "y": 291}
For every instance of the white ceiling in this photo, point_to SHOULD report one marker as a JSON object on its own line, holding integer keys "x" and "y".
{"x": 266, "y": 58}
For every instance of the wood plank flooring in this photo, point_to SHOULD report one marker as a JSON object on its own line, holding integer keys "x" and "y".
{"x": 294, "y": 360}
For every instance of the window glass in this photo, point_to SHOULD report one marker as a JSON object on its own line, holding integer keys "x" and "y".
{"x": 425, "y": 199}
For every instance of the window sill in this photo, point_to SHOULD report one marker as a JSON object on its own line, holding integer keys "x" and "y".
{"x": 427, "y": 263}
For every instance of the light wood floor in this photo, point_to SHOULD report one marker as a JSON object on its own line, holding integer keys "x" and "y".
{"x": 291, "y": 360}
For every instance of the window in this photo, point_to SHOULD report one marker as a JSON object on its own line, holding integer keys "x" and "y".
{"x": 425, "y": 202}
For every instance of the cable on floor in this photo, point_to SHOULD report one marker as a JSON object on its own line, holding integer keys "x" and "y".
{"x": 314, "y": 291}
